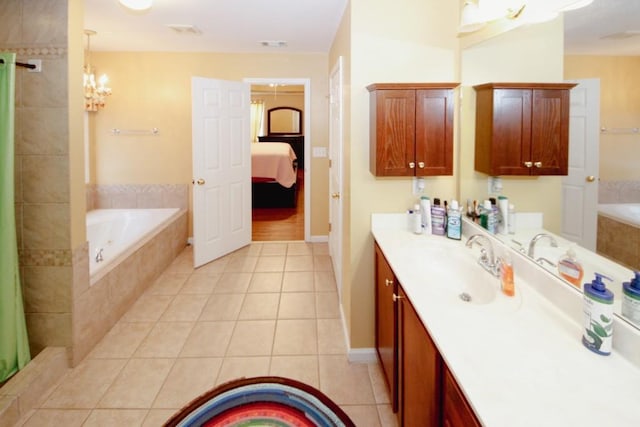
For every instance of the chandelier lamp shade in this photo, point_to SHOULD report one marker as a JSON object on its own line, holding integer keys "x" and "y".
{"x": 95, "y": 92}
{"x": 475, "y": 14}
{"x": 138, "y": 5}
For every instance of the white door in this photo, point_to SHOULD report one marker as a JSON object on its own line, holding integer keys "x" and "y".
{"x": 335, "y": 172}
{"x": 580, "y": 186}
{"x": 221, "y": 168}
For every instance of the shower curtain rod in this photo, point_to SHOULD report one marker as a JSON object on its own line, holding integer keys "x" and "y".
{"x": 21, "y": 64}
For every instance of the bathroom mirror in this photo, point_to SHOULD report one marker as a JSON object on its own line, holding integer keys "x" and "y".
{"x": 493, "y": 60}
{"x": 284, "y": 121}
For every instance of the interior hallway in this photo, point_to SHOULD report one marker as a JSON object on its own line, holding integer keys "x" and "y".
{"x": 267, "y": 309}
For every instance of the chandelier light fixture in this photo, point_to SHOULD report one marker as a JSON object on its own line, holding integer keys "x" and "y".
{"x": 94, "y": 94}
{"x": 138, "y": 5}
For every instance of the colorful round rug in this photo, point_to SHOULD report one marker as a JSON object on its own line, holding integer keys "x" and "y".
{"x": 262, "y": 401}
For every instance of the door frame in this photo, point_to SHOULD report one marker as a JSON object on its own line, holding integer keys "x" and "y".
{"x": 307, "y": 138}
{"x": 337, "y": 71}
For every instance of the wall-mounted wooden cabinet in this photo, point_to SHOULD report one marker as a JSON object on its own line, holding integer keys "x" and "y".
{"x": 422, "y": 389}
{"x": 411, "y": 129}
{"x": 522, "y": 128}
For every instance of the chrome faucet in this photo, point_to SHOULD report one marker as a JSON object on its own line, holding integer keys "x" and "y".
{"x": 487, "y": 259}
{"x": 534, "y": 240}
{"x": 99, "y": 257}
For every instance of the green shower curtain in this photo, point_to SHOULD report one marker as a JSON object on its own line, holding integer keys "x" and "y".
{"x": 14, "y": 344}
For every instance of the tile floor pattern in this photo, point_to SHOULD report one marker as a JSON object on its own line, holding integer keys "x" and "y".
{"x": 267, "y": 309}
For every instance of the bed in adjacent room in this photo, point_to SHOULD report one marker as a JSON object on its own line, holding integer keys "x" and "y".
{"x": 273, "y": 175}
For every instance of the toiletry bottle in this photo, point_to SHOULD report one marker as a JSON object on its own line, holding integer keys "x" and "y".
{"x": 425, "y": 208}
{"x": 437, "y": 218}
{"x": 598, "y": 316}
{"x": 454, "y": 221}
{"x": 631, "y": 299}
{"x": 503, "y": 217}
{"x": 506, "y": 276}
{"x": 511, "y": 224}
{"x": 570, "y": 269}
{"x": 487, "y": 217}
{"x": 417, "y": 219}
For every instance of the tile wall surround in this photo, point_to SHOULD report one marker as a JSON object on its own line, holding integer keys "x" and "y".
{"x": 37, "y": 29}
{"x": 619, "y": 192}
{"x": 141, "y": 196}
{"x": 619, "y": 242}
{"x": 25, "y": 390}
{"x": 99, "y": 306}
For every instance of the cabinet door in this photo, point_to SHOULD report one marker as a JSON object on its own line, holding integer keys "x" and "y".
{"x": 550, "y": 132}
{"x": 434, "y": 132}
{"x": 386, "y": 324}
{"x": 511, "y": 147}
{"x": 392, "y": 128}
{"x": 420, "y": 367}
{"x": 456, "y": 412}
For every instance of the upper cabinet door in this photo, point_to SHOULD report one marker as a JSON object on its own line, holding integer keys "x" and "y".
{"x": 522, "y": 128}
{"x": 550, "y": 132}
{"x": 393, "y": 115}
{"x": 434, "y": 132}
{"x": 411, "y": 129}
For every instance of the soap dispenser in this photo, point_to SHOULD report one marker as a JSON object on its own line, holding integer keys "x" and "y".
{"x": 631, "y": 299}
{"x": 598, "y": 316}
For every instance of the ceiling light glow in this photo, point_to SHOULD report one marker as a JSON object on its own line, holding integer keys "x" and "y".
{"x": 136, "y": 4}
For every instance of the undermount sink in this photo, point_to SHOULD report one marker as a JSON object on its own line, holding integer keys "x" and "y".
{"x": 458, "y": 274}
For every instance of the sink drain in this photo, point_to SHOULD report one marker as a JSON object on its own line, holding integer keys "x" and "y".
{"x": 465, "y": 297}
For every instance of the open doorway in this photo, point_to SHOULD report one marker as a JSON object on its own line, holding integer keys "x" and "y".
{"x": 280, "y": 119}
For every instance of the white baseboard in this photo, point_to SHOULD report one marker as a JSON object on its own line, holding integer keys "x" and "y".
{"x": 319, "y": 239}
{"x": 356, "y": 355}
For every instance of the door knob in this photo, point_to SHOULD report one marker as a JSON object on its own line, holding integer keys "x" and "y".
{"x": 591, "y": 178}
{"x": 335, "y": 195}
{"x": 200, "y": 181}
{"x": 528, "y": 164}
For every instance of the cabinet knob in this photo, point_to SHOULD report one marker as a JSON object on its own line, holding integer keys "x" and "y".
{"x": 538, "y": 164}
{"x": 421, "y": 165}
{"x": 388, "y": 282}
{"x": 412, "y": 165}
{"x": 396, "y": 297}
{"x": 528, "y": 164}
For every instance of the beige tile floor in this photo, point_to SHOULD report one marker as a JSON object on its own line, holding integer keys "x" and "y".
{"x": 267, "y": 309}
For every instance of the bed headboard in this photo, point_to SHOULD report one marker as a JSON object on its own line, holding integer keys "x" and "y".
{"x": 284, "y": 121}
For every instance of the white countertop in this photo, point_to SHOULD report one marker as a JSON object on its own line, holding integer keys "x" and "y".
{"x": 519, "y": 360}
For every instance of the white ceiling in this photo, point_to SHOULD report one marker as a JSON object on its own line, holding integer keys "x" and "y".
{"x": 586, "y": 27}
{"x": 306, "y": 25}
{"x": 226, "y": 25}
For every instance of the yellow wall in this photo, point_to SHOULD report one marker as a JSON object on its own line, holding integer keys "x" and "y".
{"x": 153, "y": 89}
{"x": 619, "y": 108}
{"x": 412, "y": 42}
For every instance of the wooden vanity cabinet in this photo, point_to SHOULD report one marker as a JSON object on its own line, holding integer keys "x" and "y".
{"x": 422, "y": 390}
{"x": 387, "y": 324}
{"x": 522, "y": 128}
{"x": 411, "y": 129}
{"x": 456, "y": 411}
{"x": 420, "y": 369}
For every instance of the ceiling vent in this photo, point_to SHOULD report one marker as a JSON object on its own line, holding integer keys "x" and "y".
{"x": 273, "y": 43}
{"x": 622, "y": 35}
{"x": 185, "y": 29}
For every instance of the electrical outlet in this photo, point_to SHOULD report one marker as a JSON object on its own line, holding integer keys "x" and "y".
{"x": 418, "y": 186}
{"x": 495, "y": 185}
